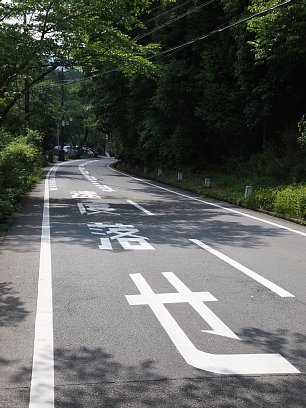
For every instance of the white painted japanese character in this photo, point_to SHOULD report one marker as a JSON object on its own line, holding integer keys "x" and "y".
{"x": 125, "y": 235}
{"x": 96, "y": 208}
{"x": 84, "y": 194}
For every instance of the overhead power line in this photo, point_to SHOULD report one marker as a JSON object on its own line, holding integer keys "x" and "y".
{"x": 73, "y": 81}
{"x": 160, "y": 27}
{"x": 220, "y": 29}
{"x": 166, "y": 12}
{"x": 176, "y": 48}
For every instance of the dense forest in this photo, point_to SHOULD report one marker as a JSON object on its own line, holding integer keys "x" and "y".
{"x": 188, "y": 85}
{"x": 225, "y": 85}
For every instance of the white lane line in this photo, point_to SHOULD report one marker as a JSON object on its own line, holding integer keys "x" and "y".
{"x": 140, "y": 207}
{"x": 42, "y": 383}
{"x": 52, "y": 179}
{"x": 93, "y": 179}
{"x": 104, "y": 187}
{"x": 260, "y": 279}
{"x": 295, "y": 231}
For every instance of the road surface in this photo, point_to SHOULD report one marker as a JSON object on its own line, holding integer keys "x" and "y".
{"x": 119, "y": 292}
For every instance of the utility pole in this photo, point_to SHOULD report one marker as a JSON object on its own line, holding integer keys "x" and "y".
{"x": 27, "y": 103}
{"x": 26, "y": 86}
{"x": 61, "y": 153}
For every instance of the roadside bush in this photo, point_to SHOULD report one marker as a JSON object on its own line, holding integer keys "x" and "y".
{"x": 5, "y": 138}
{"x": 291, "y": 202}
{"x": 287, "y": 201}
{"x": 302, "y": 203}
{"x": 20, "y": 165}
{"x": 33, "y": 138}
{"x": 263, "y": 199}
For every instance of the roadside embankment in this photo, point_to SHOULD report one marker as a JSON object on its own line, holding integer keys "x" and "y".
{"x": 283, "y": 200}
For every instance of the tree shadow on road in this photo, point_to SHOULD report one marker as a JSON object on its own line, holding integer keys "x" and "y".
{"x": 95, "y": 379}
{"x": 12, "y": 310}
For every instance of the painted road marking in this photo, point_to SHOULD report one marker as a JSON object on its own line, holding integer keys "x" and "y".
{"x": 219, "y": 328}
{"x": 139, "y": 207}
{"x": 103, "y": 187}
{"x": 212, "y": 204}
{"x": 229, "y": 364}
{"x": 84, "y": 194}
{"x": 53, "y": 186}
{"x": 42, "y": 382}
{"x": 125, "y": 235}
{"x": 52, "y": 179}
{"x": 195, "y": 299}
{"x": 92, "y": 179}
{"x": 258, "y": 278}
{"x": 96, "y": 208}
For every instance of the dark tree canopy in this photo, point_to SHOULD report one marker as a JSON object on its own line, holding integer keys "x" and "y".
{"x": 173, "y": 83}
{"x": 236, "y": 85}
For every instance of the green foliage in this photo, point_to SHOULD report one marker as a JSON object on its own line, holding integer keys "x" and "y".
{"x": 5, "y": 138}
{"x": 213, "y": 99}
{"x": 38, "y": 36}
{"x": 20, "y": 167}
{"x": 289, "y": 201}
{"x": 231, "y": 94}
{"x": 278, "y": 34}
{"x": 263, "y": 199}
{"x": 33, "y": 138}
{"x": 302, "y": 130}
{"x": 20, "y": 164}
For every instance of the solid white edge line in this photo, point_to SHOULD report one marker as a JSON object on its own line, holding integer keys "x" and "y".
{"x": 213, "y": 204}
{"x": 258, "y": 278}
{"x": 42, "y": 382}
{"x": 139, "y": 207}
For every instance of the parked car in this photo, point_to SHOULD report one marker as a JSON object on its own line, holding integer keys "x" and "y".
{"x": 88, "y": 151}
{"x": 75, "y": 153}
{"x": 67, "y": 149}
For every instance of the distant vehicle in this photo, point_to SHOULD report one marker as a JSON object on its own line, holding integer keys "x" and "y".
{"x": 75, "y": 153}
{"x": 67, "y": 149}
{"x": 88, "y": 151}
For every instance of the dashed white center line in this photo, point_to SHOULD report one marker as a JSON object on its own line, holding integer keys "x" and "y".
{"x": 93, "y": 179}
{"x": 140, "y": 207}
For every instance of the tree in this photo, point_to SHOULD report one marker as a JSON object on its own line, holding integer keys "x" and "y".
{"x": 38, "y": 36}
{"x": 279, "y": 50}
{"x": 234, "y": 92}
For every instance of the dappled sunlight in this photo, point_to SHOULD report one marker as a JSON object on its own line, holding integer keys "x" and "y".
{"x": 94, "y": 377}
{"x": 12, "y": 308}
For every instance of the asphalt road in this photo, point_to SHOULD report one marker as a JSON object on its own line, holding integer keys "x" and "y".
{"x": 120, "y": 292}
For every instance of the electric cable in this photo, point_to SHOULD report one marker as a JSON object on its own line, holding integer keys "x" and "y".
{"x": 166, "y": 12}
{"x": 178, "y": 47}
{"x": 220, "y": 29}
{"x": 160, "y": 27}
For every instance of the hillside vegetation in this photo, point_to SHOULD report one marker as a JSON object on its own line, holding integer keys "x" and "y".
{"x": 286, "y": 200}
{"x": 214, "y": 89}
